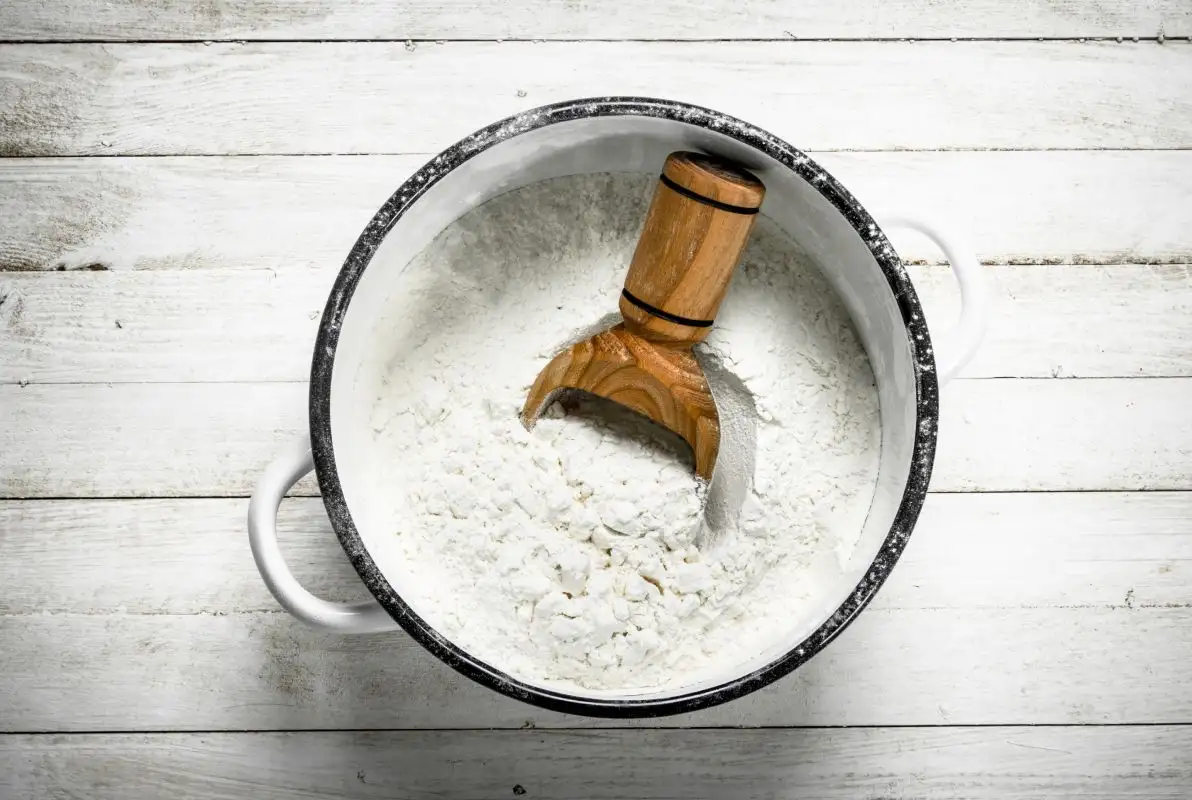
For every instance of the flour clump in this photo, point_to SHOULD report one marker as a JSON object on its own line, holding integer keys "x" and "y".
{"x": 586, "y": 553}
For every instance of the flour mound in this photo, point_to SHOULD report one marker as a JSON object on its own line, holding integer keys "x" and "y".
{"x": 585, "y": 553}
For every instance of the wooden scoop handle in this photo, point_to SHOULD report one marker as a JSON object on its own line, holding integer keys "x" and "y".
{"x": 698, "y": 223}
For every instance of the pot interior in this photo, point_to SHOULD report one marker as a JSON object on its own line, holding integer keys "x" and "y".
{"x": 640, "y": 144}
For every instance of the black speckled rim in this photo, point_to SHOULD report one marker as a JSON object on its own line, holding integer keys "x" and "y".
{"x": 927, "y": 394}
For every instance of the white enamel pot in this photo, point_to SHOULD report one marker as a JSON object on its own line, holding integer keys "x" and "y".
{"x": 624, "y": 135}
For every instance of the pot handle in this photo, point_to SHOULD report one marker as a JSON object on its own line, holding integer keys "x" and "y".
{"x": 279, "y": 476}
{"x": 956, "y": 347}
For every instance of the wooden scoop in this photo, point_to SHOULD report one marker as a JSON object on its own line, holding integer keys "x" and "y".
{"x": 696, "y": 229}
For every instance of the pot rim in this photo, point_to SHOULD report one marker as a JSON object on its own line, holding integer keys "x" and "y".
{"x": 322, "y": 368}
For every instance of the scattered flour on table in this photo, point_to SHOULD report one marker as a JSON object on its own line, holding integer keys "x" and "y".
{"x": 571, "y": 555}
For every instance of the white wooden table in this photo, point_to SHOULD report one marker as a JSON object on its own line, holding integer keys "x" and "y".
{"x": 179, "y": 184}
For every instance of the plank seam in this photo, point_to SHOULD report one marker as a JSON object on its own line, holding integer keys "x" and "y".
{"x": 1125, "y": 38}
{"x": 428, "y": 155}
{"x": 532, "y": 729}
{"x": 1124, "y": 261}
{"x": 297, "y": 495}
{"x": 281, "y": 612}
{"x": 157, "y": 499}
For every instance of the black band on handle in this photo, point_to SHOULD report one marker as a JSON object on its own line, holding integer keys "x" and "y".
{"x": 666, "y": 315}
{"x": 708, "y": 201}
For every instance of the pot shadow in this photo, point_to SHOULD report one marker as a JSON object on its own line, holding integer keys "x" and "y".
{"x": 732, "y": 477}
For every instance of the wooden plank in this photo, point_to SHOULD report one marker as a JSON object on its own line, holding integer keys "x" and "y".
{"x": 281, "y": 213}
{"x": 1097, "y": 321}
{"x": 891, "y": 667}
{"x": 170, "y": 325}
{"x": 621, "y": 19}
{"x": 998, "y": 764}
{"x": 1086, "y": 549}
{"x": 145, "y": 439}
{"x": 126, "y": 213}
{"x": 155, "y": 440}
{"x": 384, "y": 97}
{"x": 173, "y": 325}
{"x": 163, "y": 556}
{"x": 1094, "y": 435}
{"x": 1044, "y": 550}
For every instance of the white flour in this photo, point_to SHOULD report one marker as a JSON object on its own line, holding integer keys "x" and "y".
{"x": 569, "y": 555}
